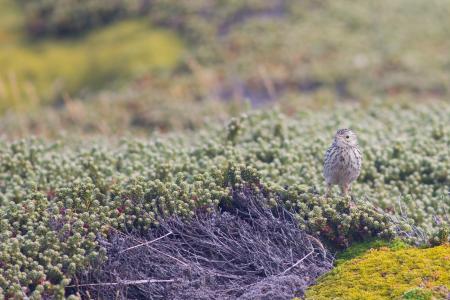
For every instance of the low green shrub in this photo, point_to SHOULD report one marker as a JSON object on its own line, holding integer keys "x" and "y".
{"x": 56, "y": 199}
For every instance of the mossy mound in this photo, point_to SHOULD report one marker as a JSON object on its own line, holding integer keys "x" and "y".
{"x": 360, "y": 248}
{"x": 388, "y": 273}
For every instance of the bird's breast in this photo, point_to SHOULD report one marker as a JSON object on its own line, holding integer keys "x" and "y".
{"x": 342, "y": 164}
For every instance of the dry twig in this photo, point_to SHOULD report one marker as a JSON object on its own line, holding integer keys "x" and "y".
{"x": 146, "y": 243}
{"x": 124, "y": 282}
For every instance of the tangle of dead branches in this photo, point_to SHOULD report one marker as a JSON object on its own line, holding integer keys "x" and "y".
{"x": 247, "y": 252}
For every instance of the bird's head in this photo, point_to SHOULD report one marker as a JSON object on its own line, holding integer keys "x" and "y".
{"x": 345, "y": 137}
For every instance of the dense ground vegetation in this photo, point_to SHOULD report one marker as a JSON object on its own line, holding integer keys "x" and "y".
{"x": 61, "y": 198}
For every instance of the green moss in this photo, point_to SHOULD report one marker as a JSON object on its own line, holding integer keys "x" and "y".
{"x": 388, "y": 274}
{"x": 359, "y": 249}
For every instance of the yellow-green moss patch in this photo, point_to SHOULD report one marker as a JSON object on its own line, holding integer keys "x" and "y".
{"x": 387, "y": 274}
{"x": 37, "y": 71}
{"x": 360, "y": 248}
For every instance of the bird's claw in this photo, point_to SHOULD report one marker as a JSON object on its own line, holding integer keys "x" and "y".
{"x": 352, "y": 203}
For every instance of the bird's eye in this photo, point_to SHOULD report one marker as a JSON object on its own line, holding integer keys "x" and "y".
{"x": 347, "y": 137}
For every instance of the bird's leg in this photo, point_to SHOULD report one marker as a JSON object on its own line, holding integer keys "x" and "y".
{"x": 328, "y": 193}
{"x": 344, "y": 190}
{"x": 350, "y": 192}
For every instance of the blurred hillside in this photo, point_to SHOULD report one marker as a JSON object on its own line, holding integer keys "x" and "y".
{"x": 50, "y": 50}
{"x": 137, "y": 66}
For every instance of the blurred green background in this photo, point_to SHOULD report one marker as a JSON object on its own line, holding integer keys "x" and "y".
{"x": 138, "y": 66}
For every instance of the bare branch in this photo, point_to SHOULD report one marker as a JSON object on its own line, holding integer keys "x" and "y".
{"x": 297, "y": 263}
{"x": 146, "y": 243}
{"x": 124, "y": 282}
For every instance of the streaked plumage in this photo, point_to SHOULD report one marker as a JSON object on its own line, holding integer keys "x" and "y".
{"x": 342, "y": 163}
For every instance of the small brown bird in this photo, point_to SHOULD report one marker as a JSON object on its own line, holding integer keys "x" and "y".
{"x": 342, "y": 163}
